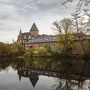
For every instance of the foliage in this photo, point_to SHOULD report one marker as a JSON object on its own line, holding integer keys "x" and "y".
{"x": 35, "y": 53}
{"x": 17, "y": 49}
{"x": 55, "y": 54}
{"x": 7, "y": 50}
{"x": 64, "y": 38}
{"x": 42, "y": 51}
{"x": 48, "y": 54}
{"x": 29, "y": 52}
{"x": 48, "y": 48}
{"x": 66, "y": 45}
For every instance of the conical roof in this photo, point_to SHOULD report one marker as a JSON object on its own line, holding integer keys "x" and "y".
{"x": 19, "y": 74}
{"x": 34, "y": 79}
{"x": 34, "y": 27}
{"x": 20, "y": 32}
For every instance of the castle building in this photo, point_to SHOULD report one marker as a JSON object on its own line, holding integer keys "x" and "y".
{"x": 24, "y": 37}
{"x": 33, "y": 39}
{"x": 42, "y": 41}
{"x": 33, "y": 77}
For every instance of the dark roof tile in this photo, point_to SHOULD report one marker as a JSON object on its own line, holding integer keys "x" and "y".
{"x": 34, "y": 27}
{"x": 42, "y": 39}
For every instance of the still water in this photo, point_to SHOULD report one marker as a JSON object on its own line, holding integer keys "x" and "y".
{"x": 44, "y": 74}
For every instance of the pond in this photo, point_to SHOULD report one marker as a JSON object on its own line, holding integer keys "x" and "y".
{"x": 44, "y": 74}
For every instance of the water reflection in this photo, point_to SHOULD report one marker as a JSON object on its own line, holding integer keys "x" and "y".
{"x": 70, "y": 74}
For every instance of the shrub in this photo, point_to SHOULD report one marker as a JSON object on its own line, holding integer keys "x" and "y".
{"x": 48, "y": 48}
{"x": 48, "y": 54}
{"x": 35, "y": 53}
{"x": 42, "y": 51}
{"x": 55, "y": 54}
{"x": 27, "y": 54}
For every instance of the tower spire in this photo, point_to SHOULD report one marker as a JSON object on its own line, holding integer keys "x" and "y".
{"x": 20, "y": 32}
{"x": 34, "y": 27}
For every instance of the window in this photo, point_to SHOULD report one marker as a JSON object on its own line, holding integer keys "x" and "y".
{"x": 49, "y": 44}
{"x": 40, "y": 45}
{"x": 53, "y": 44}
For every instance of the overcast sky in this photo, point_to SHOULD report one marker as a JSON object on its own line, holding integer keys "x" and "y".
{"x": 16, "y": 14}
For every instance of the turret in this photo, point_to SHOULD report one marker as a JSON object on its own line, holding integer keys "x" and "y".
{"x": 20, "y": 36}
{"x": 20, "y": 32}
{"x": 19, "y": 74}
{"x": 34, "y": 30}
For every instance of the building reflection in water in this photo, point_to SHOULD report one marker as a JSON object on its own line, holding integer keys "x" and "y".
{"x": 33, "y": 74}
{"x": 33, "y": 77}
{"x": 70, "y": 73}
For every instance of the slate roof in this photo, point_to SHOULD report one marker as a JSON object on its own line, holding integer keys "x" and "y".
{"x": 47, "y": 39}
{"x": 83, "y": 38}
{"x": 34, "y": 27}
{"x": 26, "y": 35}
{"x": 20, "y": 32}
{"x": 42, "y": 39}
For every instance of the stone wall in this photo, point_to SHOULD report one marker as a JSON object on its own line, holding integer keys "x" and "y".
{"x": 38, "y": 45}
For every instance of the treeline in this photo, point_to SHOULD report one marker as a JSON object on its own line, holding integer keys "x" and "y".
{"x": 8, "y": 50}
{"x": 16, "y": 49}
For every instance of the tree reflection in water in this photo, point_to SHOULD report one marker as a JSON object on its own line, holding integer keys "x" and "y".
{"x": 72, "y": 74}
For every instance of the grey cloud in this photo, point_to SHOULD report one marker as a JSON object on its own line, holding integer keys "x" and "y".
{"x": 3, "y": 17}
{"x": 16, "y": 14}
{"x": 32, "y": 6}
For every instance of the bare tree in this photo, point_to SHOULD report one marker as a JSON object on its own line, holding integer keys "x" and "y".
{"x": 80, "y": 28}
{"x": 63, "y": 28}
{"x": 80, "y": 3}
{"x": 87, "y": 13}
